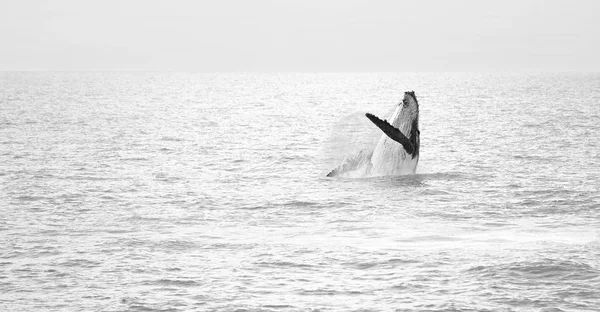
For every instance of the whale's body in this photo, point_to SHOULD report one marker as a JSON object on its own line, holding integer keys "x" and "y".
{"x": 397, "y": 152}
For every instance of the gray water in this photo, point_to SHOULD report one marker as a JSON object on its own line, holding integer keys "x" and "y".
{"x": 207, "y": 192}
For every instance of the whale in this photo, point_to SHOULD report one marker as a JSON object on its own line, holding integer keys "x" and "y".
{"x": 397, "y": 151}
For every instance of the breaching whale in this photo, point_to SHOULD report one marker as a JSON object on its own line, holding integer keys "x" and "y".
{"x": 397, "y": 152}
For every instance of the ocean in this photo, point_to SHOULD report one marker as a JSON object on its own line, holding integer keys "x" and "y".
{"x": 124, "y": 191}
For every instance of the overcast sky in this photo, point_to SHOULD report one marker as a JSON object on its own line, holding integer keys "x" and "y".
{"x": 306, "y": 35}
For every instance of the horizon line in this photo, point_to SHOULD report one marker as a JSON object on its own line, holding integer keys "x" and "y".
{"x": 301, "y": 72}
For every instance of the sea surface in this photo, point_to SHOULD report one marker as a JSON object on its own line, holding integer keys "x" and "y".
{"x": 208, "y": 192}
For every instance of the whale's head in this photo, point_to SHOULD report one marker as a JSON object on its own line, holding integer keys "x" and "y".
{"x": 407, "y": 113}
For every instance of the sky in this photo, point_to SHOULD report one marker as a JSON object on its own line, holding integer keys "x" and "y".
{"x": 300, "y": 36}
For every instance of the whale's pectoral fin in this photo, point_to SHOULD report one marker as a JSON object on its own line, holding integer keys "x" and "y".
{"x": 393, "y": 132}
